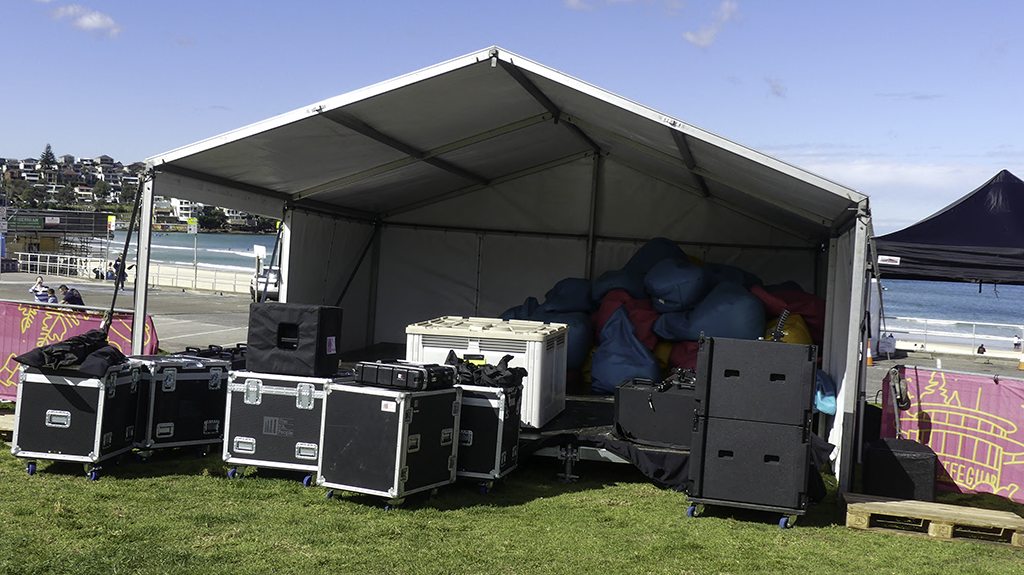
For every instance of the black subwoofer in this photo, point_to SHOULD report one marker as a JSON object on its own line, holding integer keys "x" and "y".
{"x": 293, "y": 339}
{"x": 899, "y": 468}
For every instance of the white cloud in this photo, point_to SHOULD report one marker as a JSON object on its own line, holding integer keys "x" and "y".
{"x": 776, "y": 87}
{"x": 727, "y": 11}
{"x": 902, "y": 194}
{"x": 89, "y": 20}
{"x": 577, "y": 5}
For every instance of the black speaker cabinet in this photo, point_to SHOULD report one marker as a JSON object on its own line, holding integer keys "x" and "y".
{"x": 755, "y": 380}
{"x": 751, "y": 463}
{"x": 293, "y": 339}
{"x": 899, "y": 468}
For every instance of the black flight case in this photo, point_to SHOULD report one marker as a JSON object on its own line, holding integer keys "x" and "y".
{"x": 64, "y": 415}
{"x": 387, "y": 442}
{"x": 489, "y": 432}
{"x": 183, "y": 401}
{"x": 274, "y": 421}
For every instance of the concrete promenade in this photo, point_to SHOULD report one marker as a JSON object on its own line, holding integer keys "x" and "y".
{"x": 182, "y": 316}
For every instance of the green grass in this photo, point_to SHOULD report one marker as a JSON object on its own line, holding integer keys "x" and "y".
{"x": 180, "y": 514}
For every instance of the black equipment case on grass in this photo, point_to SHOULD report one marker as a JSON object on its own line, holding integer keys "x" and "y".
{"x": 656, "y": 414}
{"x": 489, "y": 431}
{"x": 293, "y": 339}
{"x": 63, "y": 415}
{"x": 751, "y": 446}
{"x": 274, "y": 420}
{"x": 388, "y": 442}
{"x": 398, "y": 374}
{"x": 183, "y": 400}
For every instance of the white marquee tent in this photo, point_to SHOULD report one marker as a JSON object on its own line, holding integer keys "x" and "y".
{"x": 465, "y": 187}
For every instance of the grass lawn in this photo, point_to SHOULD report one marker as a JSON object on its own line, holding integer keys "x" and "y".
{"x": 180, "y": 514}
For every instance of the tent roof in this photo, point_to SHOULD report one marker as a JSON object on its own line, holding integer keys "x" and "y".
{"x": 476, "y": 121}
{"x": 979, "y": 237}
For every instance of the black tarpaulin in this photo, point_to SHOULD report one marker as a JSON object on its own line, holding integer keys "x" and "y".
{"x": 980, "y": 237}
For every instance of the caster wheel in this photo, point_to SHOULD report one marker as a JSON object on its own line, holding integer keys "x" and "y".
{"x": 31, "y": 467}
{"x": 94, "y": 475}
{"x": 200, "y": 454}
{"x": 307, "y": 481}
{"x": 330, "y": 494}
{"x": 692, "y": 511}
{"x": 233, "y": 473}
{"x": 483, "y": 490}
{"x": 784, "y": 523}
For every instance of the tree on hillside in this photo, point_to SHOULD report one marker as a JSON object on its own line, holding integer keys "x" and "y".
{"x": 212, "y": 218}
{"x": 128, "y": 194}
{"x": 22, "y": 194}
{"x": 67, "y": 196}
{"x": 266, "y": 225}
{"x": 48, "y": 160}
{"x": 100, "y": 192}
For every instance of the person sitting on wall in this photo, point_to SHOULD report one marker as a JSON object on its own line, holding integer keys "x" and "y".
{"x": 110, "y": 271}
{"x": 981, "y": 349}
{"x": 70, "y": 296}
{"x": 1016, "y": 342}
{"x": 39, "y": 290}
{"x": 51, "y": 296}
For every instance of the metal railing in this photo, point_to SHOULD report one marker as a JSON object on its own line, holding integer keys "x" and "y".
{"x": 955, "y": 333}
{"x": 61, "y": 265}
{"x": 203, "y": 279}
{"x": 187, "y": 277}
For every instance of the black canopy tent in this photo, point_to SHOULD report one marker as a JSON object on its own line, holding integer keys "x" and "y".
{"x": 978, "y": 238}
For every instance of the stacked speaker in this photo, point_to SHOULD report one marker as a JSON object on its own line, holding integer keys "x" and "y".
{"x": 751, "y": 445}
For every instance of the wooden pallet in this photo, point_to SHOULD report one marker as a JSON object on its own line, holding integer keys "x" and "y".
{"x": 938, "y": 520}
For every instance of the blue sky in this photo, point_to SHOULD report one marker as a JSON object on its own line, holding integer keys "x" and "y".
{"x": 915, "y": 103}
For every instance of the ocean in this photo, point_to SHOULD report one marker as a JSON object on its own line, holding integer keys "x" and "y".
{"x": 233, "y": 252}
{"x": 956, "y": 313}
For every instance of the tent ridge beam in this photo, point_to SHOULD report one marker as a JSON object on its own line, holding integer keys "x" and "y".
{"x": 334, "y": 185}
{"x": 546, "y": 102}
{"x": 691, "y": 164}
{"x": 499, "y": 180}
{"x": 360, "y": 127}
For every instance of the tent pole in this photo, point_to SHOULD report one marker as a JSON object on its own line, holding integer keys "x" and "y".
{"x": 142, "y": 266}
{"x": 592, "y": 218}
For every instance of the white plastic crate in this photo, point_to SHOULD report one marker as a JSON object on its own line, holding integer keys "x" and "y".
{"x": 537, "y": 346}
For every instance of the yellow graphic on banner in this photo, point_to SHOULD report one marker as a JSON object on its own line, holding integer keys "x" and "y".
{"x": 9, "y": 372}
{"x": 975, "y": 446}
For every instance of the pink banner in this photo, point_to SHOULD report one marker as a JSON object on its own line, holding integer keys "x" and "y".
{"x": 26, "y": 326}
{"x": 972, "y": 422}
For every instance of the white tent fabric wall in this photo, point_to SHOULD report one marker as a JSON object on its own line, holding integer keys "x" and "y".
{"x": 493, "y": 177}
{"x": 321, "y": 253}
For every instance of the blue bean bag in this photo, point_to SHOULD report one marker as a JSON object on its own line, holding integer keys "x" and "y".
{"x": 621, "y": 356}
{"x": 568, "y": 295}
{"x": 676, "y": 285}
{"x": 729, "y": 310}
{"x": 521, "y": 311}
{"x": 725, "y": 272}
{"x": 631, "y": 282}
{"x": 651, "y": 253}
{"x": 581, "y": 334}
